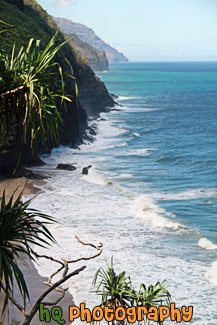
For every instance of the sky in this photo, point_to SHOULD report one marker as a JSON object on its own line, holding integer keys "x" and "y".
{"x": 148, "y": 30}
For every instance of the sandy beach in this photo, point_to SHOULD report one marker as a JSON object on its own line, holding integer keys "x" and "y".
{"x": 11, "y": 184}
{"x": 33, "y": 279}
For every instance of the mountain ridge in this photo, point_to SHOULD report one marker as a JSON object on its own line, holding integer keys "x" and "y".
{"x": 87, "y": 35}
{"x": 95, "y": 59}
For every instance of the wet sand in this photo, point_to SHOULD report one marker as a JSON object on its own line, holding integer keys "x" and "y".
{"x": 11, "y": 184}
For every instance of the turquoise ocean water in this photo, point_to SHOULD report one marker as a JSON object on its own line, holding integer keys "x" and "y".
{"x": 151, "y": 195}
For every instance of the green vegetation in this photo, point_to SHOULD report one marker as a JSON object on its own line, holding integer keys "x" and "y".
{"x": 153, "y": 296}
{"x": 116, "y": 288}
{"x": 29, "y": 85}
{"x": 19, "y": 228}
{"x": 116, "y": 291}
{"x": 26, "y": 69}
{"x": 32, "y": 22}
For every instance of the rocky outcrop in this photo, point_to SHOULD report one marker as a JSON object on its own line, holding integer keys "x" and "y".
{"x": 87, "y": 35}
{"x": 85, "y": 170}
{"x": 95, "y": 59}
{"x": 69, "y": 167}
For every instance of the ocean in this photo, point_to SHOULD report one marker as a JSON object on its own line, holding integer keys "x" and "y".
{"x": 151, "y": 194}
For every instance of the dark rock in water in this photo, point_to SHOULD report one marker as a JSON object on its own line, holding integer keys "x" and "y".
{"x": 66, "y": 167}
{"x": 114, "y": 96}
{"x": 92, "y": 131}
{"x": 85, "y": 170}
{"x": 116, "y": 109}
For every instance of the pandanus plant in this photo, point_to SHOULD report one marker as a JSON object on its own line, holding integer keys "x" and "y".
{"x": 116, "y": 291}
{"x": 152, "y": 296}
{"x": 20, "y": 228}
{"x": 30, "y": 83}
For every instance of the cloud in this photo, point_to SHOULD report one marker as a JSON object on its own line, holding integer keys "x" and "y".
{"x": 64, "y": 3}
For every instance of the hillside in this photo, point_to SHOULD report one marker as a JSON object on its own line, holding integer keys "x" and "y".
{"x": 31, "y": 21}
{"x": 87, "y": 35}
{"x": 95, "y": 59}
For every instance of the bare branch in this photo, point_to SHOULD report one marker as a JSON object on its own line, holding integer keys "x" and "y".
{"x": 47, "y": 257}
{"x": 99, "y": 248}
{"x": 55, "y": 273}
{"x": 55, "y": 285}
{"x": 10, "y": 92}
{"x": 64, "y": 266}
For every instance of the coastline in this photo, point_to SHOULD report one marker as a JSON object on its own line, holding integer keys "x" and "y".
{"x": 11, "y": 184}
{"x": 33, "y": 279}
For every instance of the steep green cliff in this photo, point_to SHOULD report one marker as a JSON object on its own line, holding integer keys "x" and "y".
{"x": 29, "y": 20}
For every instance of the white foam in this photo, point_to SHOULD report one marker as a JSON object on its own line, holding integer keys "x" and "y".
{"x": 107, "y": 137}
{"x": 144, "y": 207}
{"x": 123, "y": 176}
{"x": 211, "y": 274}
{"x": 188, "y": 195}
{"x": 127, "y": 98}
{"x": 97, "y": 213}
{"x": 95, "y": 178}
{"x": 123, "y": 144}
{"x": 206, "y": 244}
{"x": 139, "y": 152}
{"x": 136, "y": 135}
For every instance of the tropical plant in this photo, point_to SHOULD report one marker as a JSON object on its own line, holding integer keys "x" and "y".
{"x": 20, "y": 228}
{"x": 115, "y": 289}
{"x": 153, "y": 296}
{"x": 30, "y": 83}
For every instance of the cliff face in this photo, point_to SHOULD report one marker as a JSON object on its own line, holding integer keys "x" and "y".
{"x": 87, "y": 35}
{"x": 95, "y": 59}
{"x": 32, "y": 21}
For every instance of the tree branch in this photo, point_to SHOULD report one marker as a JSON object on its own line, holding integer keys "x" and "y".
{"x": 99, "y": 248}
{"x": 65, "y": 276}
{"x": 64, "y": 266}
{"x": 10, "y": 92}
{"x": 55, "y": 285}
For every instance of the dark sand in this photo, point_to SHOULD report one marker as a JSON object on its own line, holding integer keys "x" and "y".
{"x": 33, "y": 279}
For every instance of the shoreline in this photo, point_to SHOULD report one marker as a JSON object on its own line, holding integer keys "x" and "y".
{"x": 11, "y": 184}
{"x": 33, "y": 279}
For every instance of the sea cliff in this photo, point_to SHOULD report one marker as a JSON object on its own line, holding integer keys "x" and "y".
{"x": 29, "y": 20}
